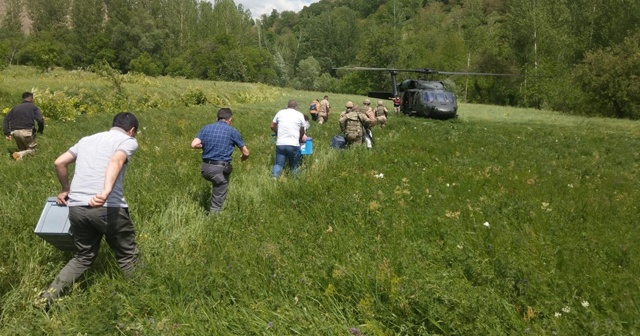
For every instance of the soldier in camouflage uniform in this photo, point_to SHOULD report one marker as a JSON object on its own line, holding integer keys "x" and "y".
{"x": 381, "y": 114}
{"x": 352, "y": 124}
{"x": 323, "y": 111}
{"x": 371, "y": 121}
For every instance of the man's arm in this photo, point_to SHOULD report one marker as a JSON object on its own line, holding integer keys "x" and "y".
{"x": 62, "y": 170}
{"x": 40, "y": 120}
{"x": 245, "y": 153}
{"x": 111, "y": 175}
{"x": 302, "y": 137}
{"x": 196, "y": 143}
{"x": 5, "y": 125}
{"x": 274, "y": 127}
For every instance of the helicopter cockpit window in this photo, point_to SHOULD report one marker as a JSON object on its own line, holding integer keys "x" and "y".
{"x": 440, "y": 97}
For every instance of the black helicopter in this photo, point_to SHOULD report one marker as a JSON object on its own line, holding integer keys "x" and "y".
{"x": 422, "y": 97}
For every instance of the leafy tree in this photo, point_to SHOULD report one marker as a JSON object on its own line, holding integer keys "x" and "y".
{"x": 610, "y": 77}
{"x": 260, "y": 65}
{"x": 433, "y": 41}
{"x": 11, "y": 36}
{"x": 326, "y": 83}
{"x": 333, "y": 36}
{"x": 179, "y": 67}
{"x": 180, "y": 19}
{"x": 308, "y": 72}
{"x": 87, "y": 22}
{"x": 44, "y": 54}
{"x": 146, "y": 65}
{"x": 48, "y": 15}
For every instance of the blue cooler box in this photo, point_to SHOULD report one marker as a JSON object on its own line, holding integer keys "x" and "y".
{"x": 307, "y": 147}
{"x": 54, "y": 226}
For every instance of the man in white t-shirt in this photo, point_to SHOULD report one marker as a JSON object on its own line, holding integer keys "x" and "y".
{"x": 289, "y": 126}
{"x": 96, "y": 202}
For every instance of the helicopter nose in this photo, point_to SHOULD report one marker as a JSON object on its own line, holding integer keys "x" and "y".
{"x": 444, "y": 112}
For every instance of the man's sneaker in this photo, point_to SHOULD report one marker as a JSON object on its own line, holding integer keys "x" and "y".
{"x": 16, "y": 156}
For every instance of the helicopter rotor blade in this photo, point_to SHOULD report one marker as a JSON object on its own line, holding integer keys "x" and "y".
{"x": 429, "y": 71}
{"x": 474, "y": 73}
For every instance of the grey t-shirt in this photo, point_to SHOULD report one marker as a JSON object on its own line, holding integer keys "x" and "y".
{"x": 93, "y": 154}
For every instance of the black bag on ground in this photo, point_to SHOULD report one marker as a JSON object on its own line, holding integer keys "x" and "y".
{"x": 338, "y": 142}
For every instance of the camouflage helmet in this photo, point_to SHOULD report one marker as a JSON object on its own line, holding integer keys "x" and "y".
{"x": 380, "y": 103}
{"x": 366, "y": 102}
{"x": 349, "y": 104}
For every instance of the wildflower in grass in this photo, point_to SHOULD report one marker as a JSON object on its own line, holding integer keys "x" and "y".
{"x": 566, "y": 309}
{"x": 585, "y": 304}
{"x": 459, "y": 246}
{"x": 452, "y": 214}
{"x": 570, "y": 185}
{"x": 270, "y": 324}
{"x": 329, "y": 229}
{"x": 355, "y": 331}
{"x": 373, "y": 206}
{"x": 545, "y": 206}
{"x": 381, "y": 175}
{"x": 557, "y": 314}
{"x": 487, "y": 224}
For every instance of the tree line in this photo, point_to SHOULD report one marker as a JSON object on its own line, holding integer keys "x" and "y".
{"x": 576, "y": 56}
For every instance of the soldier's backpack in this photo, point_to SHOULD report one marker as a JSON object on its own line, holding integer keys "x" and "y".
{"x": 353, "y": 127}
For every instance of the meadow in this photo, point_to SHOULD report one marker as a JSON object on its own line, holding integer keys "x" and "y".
{"x": 504, "y": 221}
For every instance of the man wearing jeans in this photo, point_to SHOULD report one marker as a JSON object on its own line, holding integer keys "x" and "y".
{"x": 96, "y": 202}
{"x": 217, "y": 141}
{"x": 289, "y": 126}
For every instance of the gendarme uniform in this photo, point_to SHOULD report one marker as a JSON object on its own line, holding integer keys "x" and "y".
{"x": 353, "y": 125}
{"x": 323, "y": 111}
{"x": 371, "y": 122}
{"x": 381, "y": 114}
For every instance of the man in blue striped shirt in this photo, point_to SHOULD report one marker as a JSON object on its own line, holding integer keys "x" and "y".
{"x": 217, "y": 141}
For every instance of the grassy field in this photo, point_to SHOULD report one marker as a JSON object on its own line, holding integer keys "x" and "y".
{"x": 504, "y": 221}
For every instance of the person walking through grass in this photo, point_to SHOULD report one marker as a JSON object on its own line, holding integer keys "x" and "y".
{"x": 96, "y": 201}
{"x": 289, "y": 126}
{"x": 324, "y": 110}
{"x": 353, "y": 124}
{"x": 19, "y": 125}
{"x": 217, "y": 141}
{"x": 381, "y": 114}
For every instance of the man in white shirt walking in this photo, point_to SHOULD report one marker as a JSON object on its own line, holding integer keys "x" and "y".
{"x": 289, "y": 126}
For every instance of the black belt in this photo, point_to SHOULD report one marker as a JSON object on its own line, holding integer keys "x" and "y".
{"x": 217, "y": 163}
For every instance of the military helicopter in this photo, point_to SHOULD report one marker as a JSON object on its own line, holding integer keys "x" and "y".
{"x": 422, "y": 97}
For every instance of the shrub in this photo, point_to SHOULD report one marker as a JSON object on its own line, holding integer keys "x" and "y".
{"x": 59, "y": 106}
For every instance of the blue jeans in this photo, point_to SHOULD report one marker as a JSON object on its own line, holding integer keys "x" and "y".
{"x": 284, "y": 154}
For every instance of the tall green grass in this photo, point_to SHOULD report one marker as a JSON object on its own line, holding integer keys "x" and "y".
{"x": 501, "y": 222}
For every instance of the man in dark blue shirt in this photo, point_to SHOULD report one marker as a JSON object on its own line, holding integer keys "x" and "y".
{"x": 217, "y": 141}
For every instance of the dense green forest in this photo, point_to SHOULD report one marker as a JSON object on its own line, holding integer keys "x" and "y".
{"x": 580, "y": 56}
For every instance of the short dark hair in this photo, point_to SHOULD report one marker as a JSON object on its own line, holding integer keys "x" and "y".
{"x": 292, "y": 104}
{"x": 126, "y": 121}
{"x": 224, "y": 113}
{"x": 26, "y": 95}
